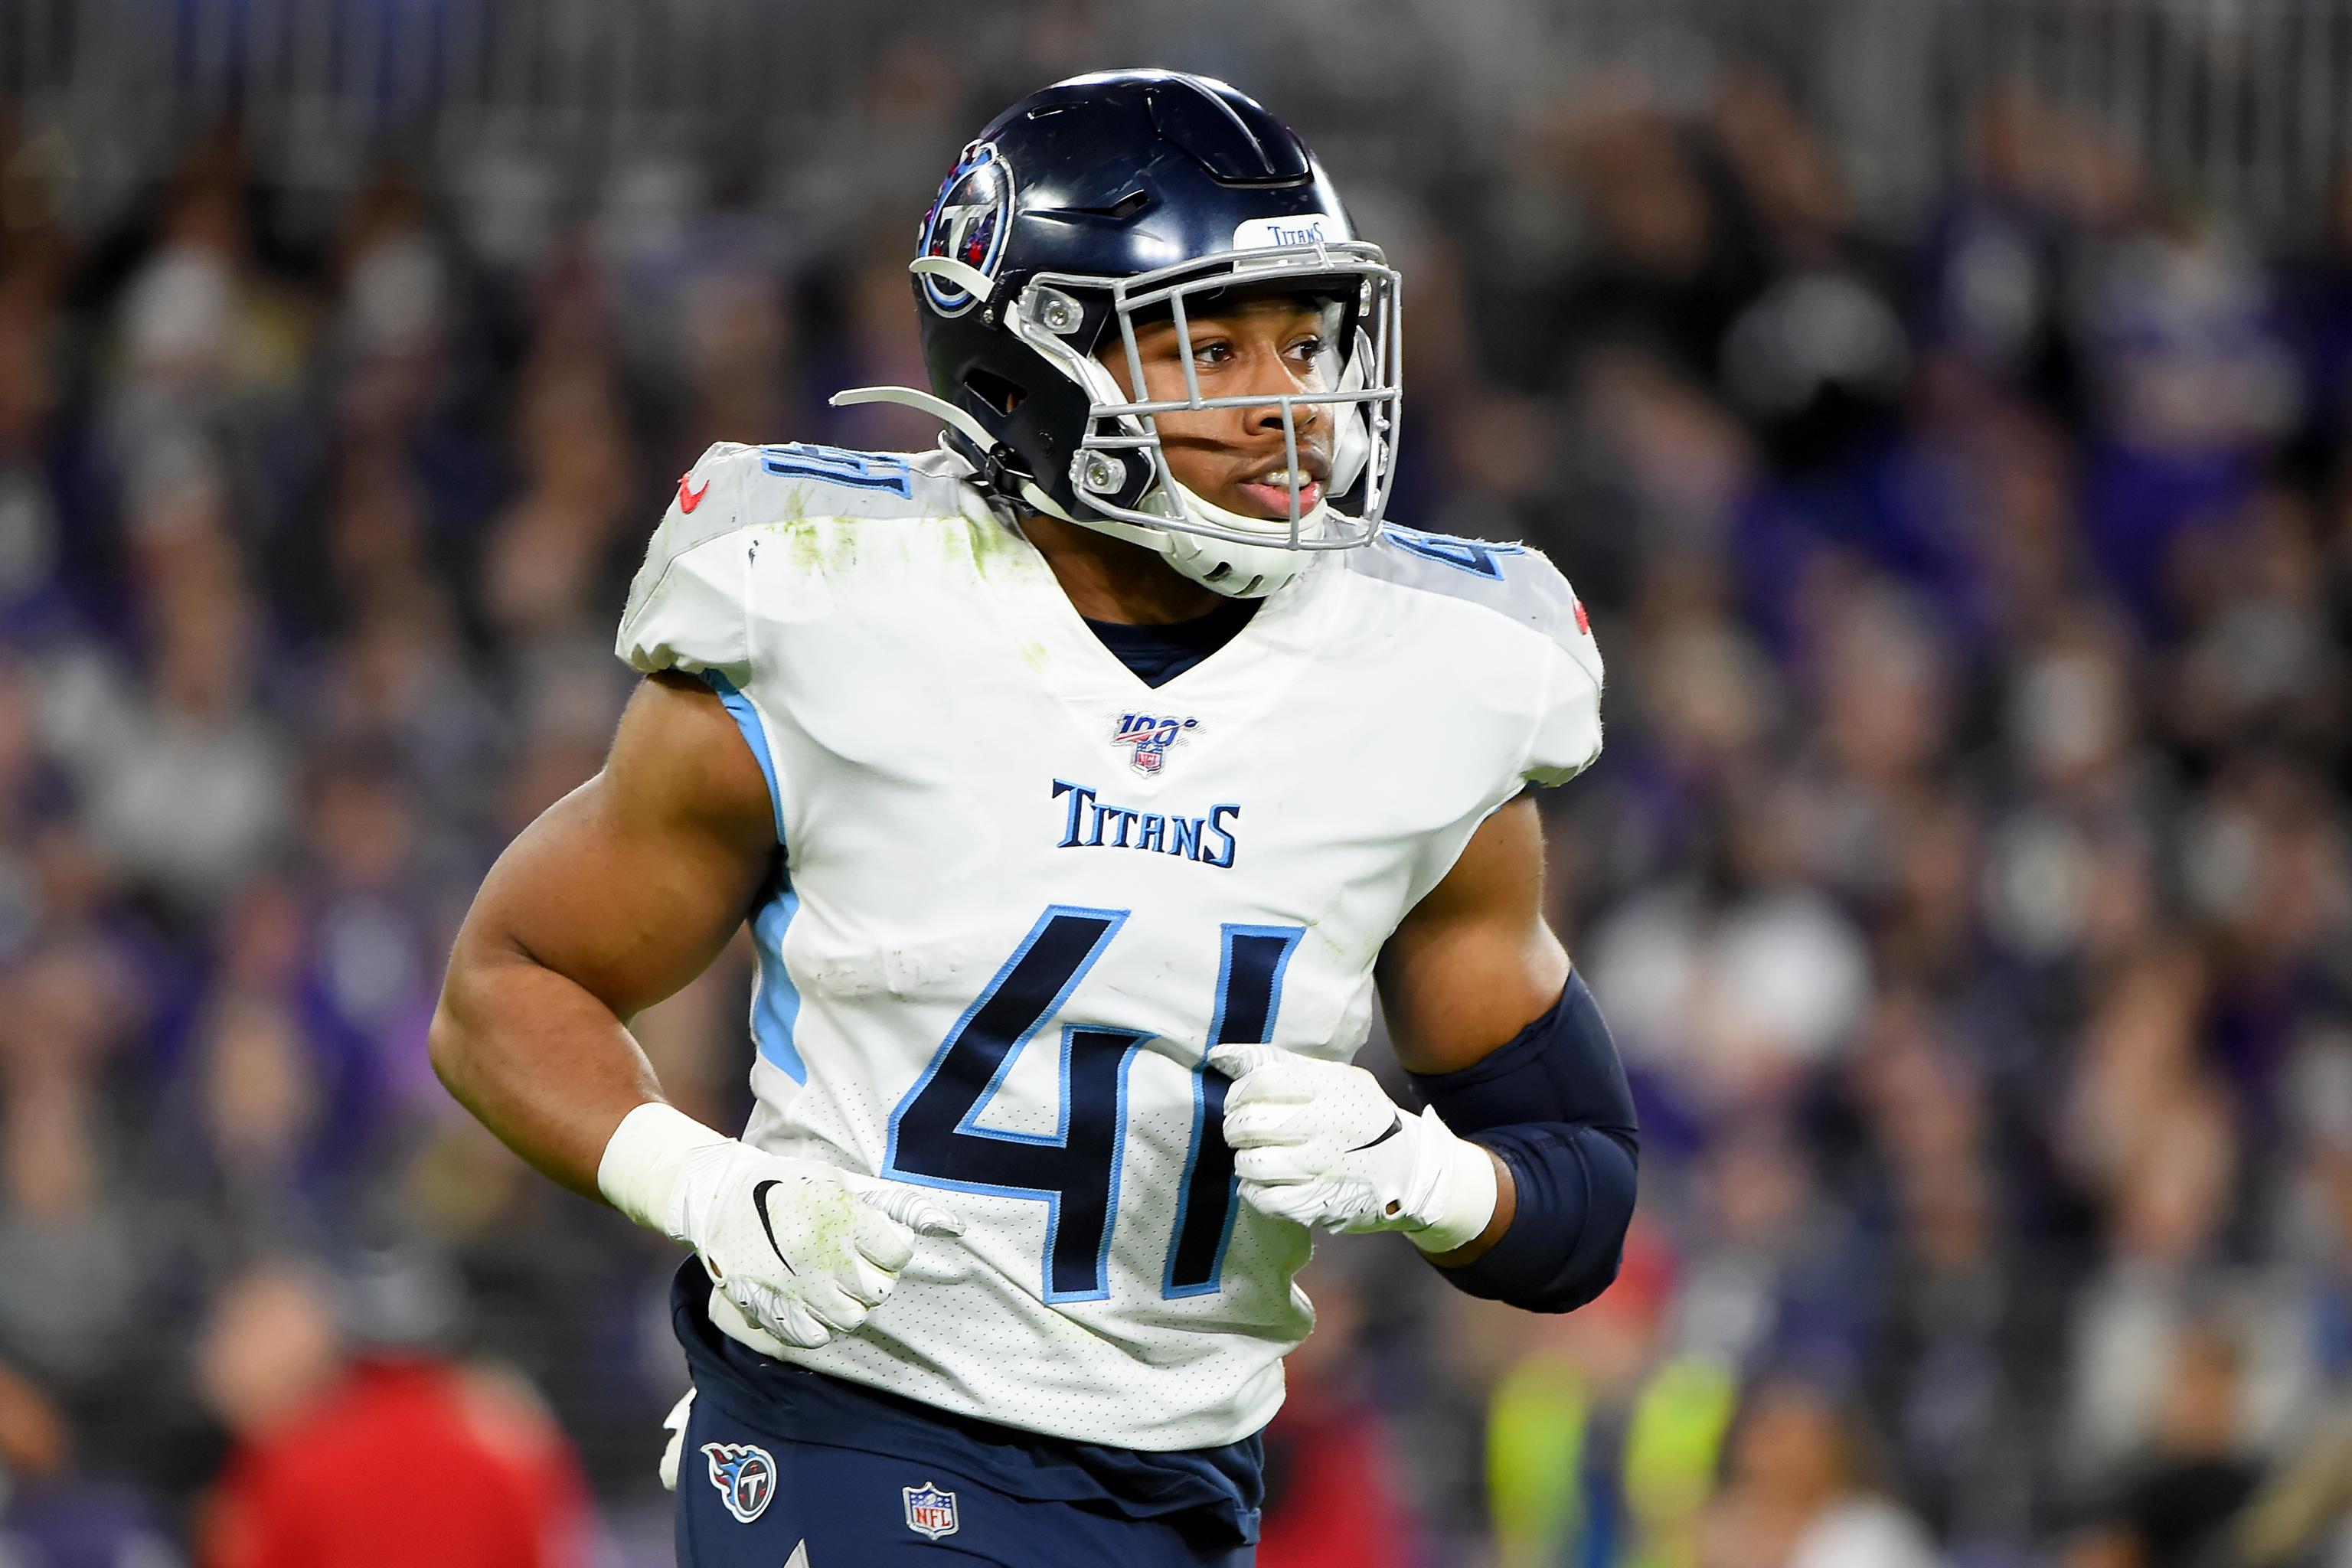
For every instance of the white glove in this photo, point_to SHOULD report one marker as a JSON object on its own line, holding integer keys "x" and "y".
{"x": 1320, "y": 1142}
{"x": 805, "y": 1249}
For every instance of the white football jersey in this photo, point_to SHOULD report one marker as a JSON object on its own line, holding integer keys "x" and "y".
{"x": 1023, "y": 894}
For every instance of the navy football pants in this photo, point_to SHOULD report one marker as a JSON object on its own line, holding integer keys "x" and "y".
{"x": 843, "y": 1508}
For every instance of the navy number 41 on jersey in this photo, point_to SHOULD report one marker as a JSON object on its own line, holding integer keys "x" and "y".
{"x": 936, "y": 1138}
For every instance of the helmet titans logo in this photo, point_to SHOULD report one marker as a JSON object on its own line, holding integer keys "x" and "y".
{"x": 745, "y": 1475}
{"x": 968, "y": 223}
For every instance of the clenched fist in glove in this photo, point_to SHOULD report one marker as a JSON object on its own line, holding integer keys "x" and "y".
{"x": 805, "y": 1249}
{"x": 1322, "y": 1143}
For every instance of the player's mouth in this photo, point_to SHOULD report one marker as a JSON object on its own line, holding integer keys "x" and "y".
{"x": 1269, "y": 492}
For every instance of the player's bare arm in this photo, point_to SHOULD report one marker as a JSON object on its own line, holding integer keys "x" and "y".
{"x": 1471, "y": 966}
{"x": 1474, "y": 962}
{"x": 616, "y": 897}
{"x": 621, "y": 893}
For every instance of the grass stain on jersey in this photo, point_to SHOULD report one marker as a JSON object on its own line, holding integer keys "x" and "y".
{"x": 995, "y": 548}
{"x": 819, "y": 548}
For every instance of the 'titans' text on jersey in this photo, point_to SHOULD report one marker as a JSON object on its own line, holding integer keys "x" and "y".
{"x": 962, "y": 986}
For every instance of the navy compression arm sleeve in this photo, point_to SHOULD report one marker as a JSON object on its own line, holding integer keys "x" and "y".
{"x": 1554, "y": 1106}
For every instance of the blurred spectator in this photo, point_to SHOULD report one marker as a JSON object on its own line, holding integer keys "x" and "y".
{"x": 2183, "y": 1495}
{"x": 78, "y": 1243}
{"x": 1795, "y": 1494}
{"x": 53, "y": 1513}
{"x": 1602, "y": 1443}
{"x": 372, "y": 1459}
{"x": 1336, "y": 1497}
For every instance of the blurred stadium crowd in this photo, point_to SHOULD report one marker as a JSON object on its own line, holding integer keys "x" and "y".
{"x": 1965, "y": 878}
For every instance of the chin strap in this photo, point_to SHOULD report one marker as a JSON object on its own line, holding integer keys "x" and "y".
{"x": 1196, "y": 507}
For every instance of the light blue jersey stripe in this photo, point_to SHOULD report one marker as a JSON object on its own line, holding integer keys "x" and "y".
{"x": 775, "y": 1001}
{"x": 755, "y": 735}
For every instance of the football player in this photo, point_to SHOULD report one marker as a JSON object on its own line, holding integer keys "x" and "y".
{"x": 1081, "y": 781}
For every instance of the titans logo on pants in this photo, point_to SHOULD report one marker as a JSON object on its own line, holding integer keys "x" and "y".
{"x": 745, "y": 1475}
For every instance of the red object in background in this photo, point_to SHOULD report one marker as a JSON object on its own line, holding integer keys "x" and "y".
{"x": 1335, "y": 1499}
{"x": 403, "y": 1463}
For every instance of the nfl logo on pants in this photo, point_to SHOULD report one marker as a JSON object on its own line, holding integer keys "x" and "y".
{"x": 929, "y": 1512}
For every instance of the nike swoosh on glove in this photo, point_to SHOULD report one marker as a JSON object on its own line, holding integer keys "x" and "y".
{"x": 1322, "y": 1143}
{"x": 805, "y": 1249}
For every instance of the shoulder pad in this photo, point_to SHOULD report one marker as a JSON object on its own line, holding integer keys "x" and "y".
{"x": 733, "y": 486}
{"x": 1510, "y": 579}
{"x": 687, "y": 603}
{"x": 1564, "y": 675}
{"x": 785, "y": 481}
{"x": 708, "y": 502}
{"x": 680, "y": 614}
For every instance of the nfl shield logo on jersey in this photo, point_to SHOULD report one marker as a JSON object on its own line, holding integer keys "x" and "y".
{"x": 745, "y": 1475}
{"x": 929, "y": 1512}
{"x": 1150, "y": 735}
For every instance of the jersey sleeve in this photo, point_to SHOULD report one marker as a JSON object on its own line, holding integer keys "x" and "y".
{"x": 686, "y": 608}
{"x": 1566, "y": 734}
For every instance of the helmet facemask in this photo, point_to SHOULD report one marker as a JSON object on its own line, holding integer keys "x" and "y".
{"x": 1120, "y": 476}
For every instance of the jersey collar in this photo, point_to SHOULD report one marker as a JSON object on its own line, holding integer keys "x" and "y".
{"x": 1225, "y": 691}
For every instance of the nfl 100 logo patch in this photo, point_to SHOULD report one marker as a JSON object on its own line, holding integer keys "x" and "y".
{"x": 745, "y": 1475}
{"x": 931, "y": 1513}
{"x": 1150, "y": 735}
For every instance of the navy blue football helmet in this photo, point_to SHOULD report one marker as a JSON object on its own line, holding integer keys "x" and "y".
{"x": 1116, "y": 197}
